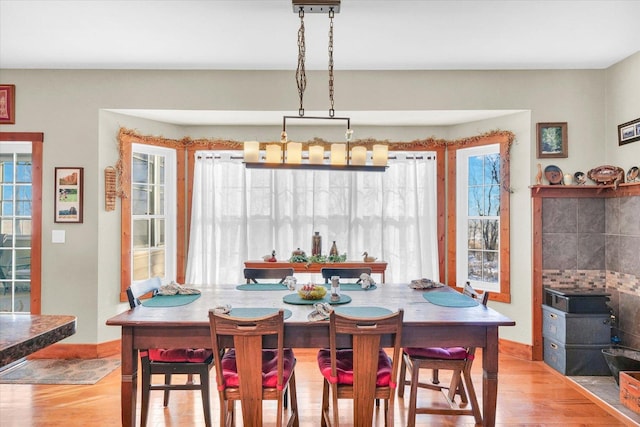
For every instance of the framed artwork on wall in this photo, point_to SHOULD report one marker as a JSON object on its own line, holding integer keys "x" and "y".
{"x": 552, "y": 140}
{"x": 7, "y": 104}
{"x": 68, "y": 194}
{"x": 629, "y": 132}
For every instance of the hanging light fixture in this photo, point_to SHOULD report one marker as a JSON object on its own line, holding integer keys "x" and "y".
{"x": 288, "y": 154}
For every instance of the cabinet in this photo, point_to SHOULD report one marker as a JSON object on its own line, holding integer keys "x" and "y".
{"x": 573, "y": 341}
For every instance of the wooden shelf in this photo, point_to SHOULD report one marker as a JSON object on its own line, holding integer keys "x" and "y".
{"x": 622, "y": 190}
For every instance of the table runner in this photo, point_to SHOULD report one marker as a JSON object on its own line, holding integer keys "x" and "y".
{"x": 297, "y": 300}
{"x": 170, "y": 300}
{"x": 450, "y": 299}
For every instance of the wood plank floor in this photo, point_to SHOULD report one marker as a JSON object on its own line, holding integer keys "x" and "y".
{"x": 529, "y": 394}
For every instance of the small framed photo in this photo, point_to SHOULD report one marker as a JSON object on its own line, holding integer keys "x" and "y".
{"x": 629, "y": 132}
{"x": 553, "y": 141}
{"x": 7, "y": 104}
{"x": 68, "y": 194}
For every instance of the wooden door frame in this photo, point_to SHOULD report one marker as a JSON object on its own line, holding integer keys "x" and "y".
{"x": 36, "y": 139}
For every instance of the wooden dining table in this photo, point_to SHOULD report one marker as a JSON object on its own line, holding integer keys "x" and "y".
{"x": 425, "y": 324}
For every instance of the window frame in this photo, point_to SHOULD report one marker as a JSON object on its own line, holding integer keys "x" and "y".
{"x": 126, "y": 140}
{"x": 504, "y": 141}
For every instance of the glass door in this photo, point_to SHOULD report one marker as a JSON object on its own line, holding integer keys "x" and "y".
{"x": 16, "y": 226}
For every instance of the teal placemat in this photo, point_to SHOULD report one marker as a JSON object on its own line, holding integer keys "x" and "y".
{"x": 170, "y": 300}
{"x": 363, "y": 311}
{"x": 263, "y": 287}
{"x": 295, "y": 299}
{"x": 449, "y": 299}
{"x": 250, "y": 312}
{"x": 352, "y": 287}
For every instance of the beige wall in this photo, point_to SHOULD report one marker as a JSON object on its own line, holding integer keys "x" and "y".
{"x": 81, "y": 277}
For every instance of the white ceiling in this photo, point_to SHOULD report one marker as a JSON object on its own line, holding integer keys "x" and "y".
{"x": 369, "y": 35}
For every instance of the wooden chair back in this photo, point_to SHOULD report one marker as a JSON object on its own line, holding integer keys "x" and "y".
{"x": 252, "y": 274}
{"x": 366, "y": 335}
{"x": 248, "y": 337}
{"x": 344, "y": 273}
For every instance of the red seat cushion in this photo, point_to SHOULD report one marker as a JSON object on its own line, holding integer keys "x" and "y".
{"x": 269, "y": 367}
{"x": 448, "y": 353}
{"x": 193, "y": 355}
{"x": 344, "y": 366}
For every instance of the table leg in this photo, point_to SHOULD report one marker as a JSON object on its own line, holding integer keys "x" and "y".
{"x": 490, "y": 378}
{"x": 129, "y": 386}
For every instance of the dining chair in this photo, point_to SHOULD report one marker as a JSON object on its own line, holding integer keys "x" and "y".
{"x": 344, "y": 273}
{"x": 456, "y": 359}
{"x": 364, "y": 371}
{"x": 240, "y": 375}
{"x": 168, "y": 362}
{"x": 251, "y": 274}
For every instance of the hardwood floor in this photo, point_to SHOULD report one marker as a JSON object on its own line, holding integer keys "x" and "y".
{"x": 529, "y": 394}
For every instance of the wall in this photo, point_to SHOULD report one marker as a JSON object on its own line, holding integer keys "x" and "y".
{"x": 80, "y": 277}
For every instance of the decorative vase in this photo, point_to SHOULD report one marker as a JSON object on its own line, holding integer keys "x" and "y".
{"x": 334, "y": 249}
{"x": 316, "y": 244}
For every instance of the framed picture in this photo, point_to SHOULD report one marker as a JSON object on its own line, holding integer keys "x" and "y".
{"x": 68, "y": 194}
{"x": 629, "y": 132}
{"x": 7, "y": 104}
{"x": 553, "y": 141}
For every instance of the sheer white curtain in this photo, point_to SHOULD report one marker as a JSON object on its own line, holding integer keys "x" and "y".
{"x": 242, "y": 214}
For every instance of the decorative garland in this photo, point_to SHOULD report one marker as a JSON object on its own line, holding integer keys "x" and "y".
{"x": 128, "y": 136}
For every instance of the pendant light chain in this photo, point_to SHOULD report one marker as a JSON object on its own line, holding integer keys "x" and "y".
{"x": 301, "y": 77}
{"x": 331, "y": 110}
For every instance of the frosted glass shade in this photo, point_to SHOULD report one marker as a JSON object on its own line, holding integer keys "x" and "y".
{"x": 316, "y": 154}
{"x": 251, "y": 151}
{"x": 380, "y": 155}
{"x": 274, "y": 153}
{"x": 358, "y": 156}
{"x": 294, "y": 152}
{"x": 338, "y": 154}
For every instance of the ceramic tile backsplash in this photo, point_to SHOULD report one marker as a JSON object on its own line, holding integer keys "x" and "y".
{"x": 591, "y": 215}
{"x": 612, "y": 259}
{"x": 560, "y": 251}
{"x": 591, "y": 253}
{"x": 612, "y": 215}
{"x": 629, "y": 255}
{"x": 630, "y": 216}
{"x": 559, "y": 215}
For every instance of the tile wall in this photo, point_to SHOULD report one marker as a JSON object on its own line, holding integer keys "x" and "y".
{"x": 595, "y": 243}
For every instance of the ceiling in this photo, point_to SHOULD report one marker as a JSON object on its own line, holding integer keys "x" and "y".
{"x": 368, "y": 35}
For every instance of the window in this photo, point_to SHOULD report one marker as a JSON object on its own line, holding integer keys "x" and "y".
{"x": 478, "y": 215}
{"x": 153, "y": 201}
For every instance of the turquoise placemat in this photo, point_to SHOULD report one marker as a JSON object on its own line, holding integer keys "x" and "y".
{"x": 449, "y": 299}
{"x": 250, "y": 312}
{"x": 363, "y": 311}
{"x": 295, "y": 299}
{"x": 263, "y": 287}
{"x": 170, "y": 300}
{"x": 352, "y": 287}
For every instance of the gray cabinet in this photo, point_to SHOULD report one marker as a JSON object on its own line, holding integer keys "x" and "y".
{"x": 573, "y": 341}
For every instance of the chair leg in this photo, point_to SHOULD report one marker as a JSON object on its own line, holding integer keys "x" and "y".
{"x": 167, "y": 380}
{"x": 294, "y": 400}
{"x": 325, "y": 404}
{"x": 413, "y": 396}
{"x": 206, "y": 403}
{"x": 146, "y": 390}
{"x": 434, "y": 377}
{"x": 403, "y": 373}
{"x": 472, "y": 396}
